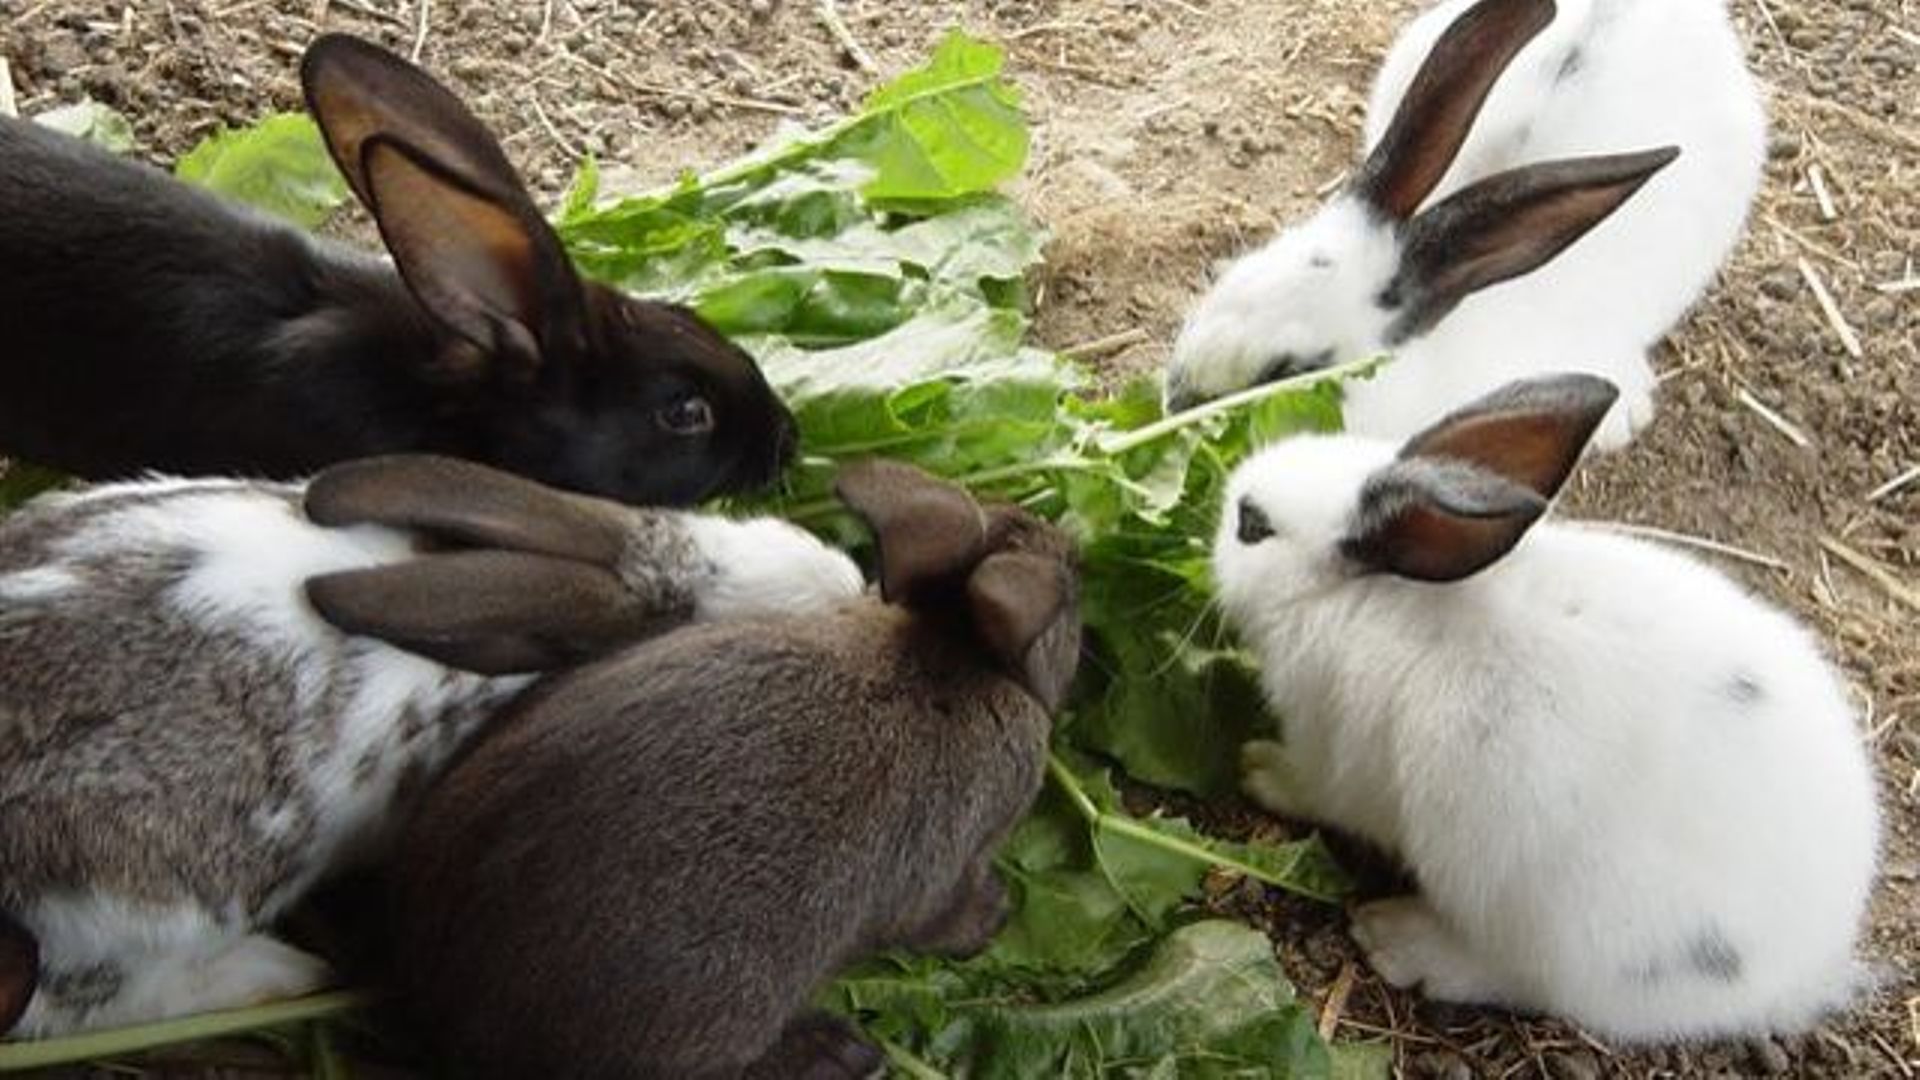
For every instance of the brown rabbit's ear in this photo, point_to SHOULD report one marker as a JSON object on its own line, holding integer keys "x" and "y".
{"x": 1443, "y": 100}
{"x": 490, "y": 612}
{"x": 469, "y": 504}
{"x": 1467, "y": 489}
{"x": 1024, "y": 608}
{"x": 19, "y": 971}
{"x": 927, "y": 530}
{"x": 1507, "y": 225}
{"x": 463, "y": 231}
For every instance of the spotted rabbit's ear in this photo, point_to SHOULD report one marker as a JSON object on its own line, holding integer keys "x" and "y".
{"x": 1440, "y": 105}
{"x": 489, "y": 612}
{"x": 928, "y": 532}
{"x": 1464, "y": 491}
{"x": 536, "y": 587}
{"x": 469, "y": 504}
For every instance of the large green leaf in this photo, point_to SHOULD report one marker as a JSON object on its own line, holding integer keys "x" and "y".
{"x": 279, "y": 165}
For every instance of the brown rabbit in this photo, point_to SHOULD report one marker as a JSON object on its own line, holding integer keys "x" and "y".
{"x": 650, "y": 863}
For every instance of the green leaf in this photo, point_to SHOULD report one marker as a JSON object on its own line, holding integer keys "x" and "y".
{"x": 950, "y": 128}
{"x": 20, "y": 482}
{"x": 279, "y": 165}
{"x": 90, "y": 120}
{"x": 1210, "y": 1001}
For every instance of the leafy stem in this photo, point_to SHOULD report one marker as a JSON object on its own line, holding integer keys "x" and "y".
{"x": 187, "y": 1029}
{"x": 1159, "y": 429}
{"x": 1121, "y": 825}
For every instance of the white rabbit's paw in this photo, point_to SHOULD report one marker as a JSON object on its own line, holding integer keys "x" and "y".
{"x": 1267, "y": 777}
{"x": 1408, "y": 945}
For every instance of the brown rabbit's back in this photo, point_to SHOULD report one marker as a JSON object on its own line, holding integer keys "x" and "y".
{"x": 667, "y": 851}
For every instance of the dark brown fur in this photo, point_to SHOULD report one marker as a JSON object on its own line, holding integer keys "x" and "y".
{"x": 652, "y": 862}
{"x": 152, "y": 326}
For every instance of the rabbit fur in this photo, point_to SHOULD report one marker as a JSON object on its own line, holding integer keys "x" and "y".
{"x": 186, "y": 746}
{"x": 154, "y": 326}
{"x": 1631, "y": 794}
{"x": 1499, "y": 132}
{"x": 649, "y": 866}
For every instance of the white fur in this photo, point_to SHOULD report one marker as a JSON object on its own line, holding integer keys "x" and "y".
{"x": 1651, "y": 73}
{"x": 1560, "y": 751}
{"x": 177, "y": 959}
{"x": 765, "y": 566}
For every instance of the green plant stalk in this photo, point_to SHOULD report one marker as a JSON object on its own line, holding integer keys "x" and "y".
{"x": 1159, "y": 429}
{"x": 906, "y": 1062}
{"x": 92, "y": 1046}
{"x": 1133, "y": 830}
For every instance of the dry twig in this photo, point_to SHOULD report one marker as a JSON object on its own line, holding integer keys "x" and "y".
{"x": 1849, "y": 340}
{"x": 8, "y": 106}
{"x": 420, "y": 30}
{"x": 1112, "y": 343}
{"x": 1649, "y": 532}
{"x": 829, "y": 12}
{"x": 1874, "y": 572}
{"x": 1336, "y": 1005}
{"x": 1894, "y": 484}
{"x": 1774, "y": 420}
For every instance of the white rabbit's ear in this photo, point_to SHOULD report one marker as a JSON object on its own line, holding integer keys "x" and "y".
{"x": 1507, "y": 225}
{"x": 1465, "y": 491}
{"x": 1440, "y": 105}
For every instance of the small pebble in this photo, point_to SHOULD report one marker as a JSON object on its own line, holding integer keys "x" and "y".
{"x": 1781, "y": 285}
{"x": 1769, "y": 1057}
{"x": 1783, "y": 145}
{"x": 1578, "y": 1065}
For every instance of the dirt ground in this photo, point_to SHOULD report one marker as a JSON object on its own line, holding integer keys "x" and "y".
{"x": 1172, "y": 133}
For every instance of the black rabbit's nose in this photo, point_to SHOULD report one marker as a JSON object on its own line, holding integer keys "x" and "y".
{"x": 1254, "y": 526}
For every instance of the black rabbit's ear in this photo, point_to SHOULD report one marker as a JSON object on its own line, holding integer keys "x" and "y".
{"x": 465, "y": 235}
{"x": 1440, "y": 105}
{"x": 470, "y": 504}
{"x": 1024, "y": 608}
{"x": 19, "y": 971}
{"x": 1467, "y": 489}
{"x": 490, "y": 612}
{"x": 1507, "y": 225}
{"x": 927, "y": 530}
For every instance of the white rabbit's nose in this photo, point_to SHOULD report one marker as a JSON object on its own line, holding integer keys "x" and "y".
{"x": 1254, "y": 526}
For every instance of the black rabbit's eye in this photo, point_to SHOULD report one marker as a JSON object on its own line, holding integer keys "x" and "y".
{"x": 688, "y": 416}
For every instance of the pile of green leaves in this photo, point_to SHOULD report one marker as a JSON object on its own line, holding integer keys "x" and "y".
{"x": 879, "y": 277}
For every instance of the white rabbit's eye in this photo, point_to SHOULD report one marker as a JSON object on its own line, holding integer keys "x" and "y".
{"x": 1254, "y": 525}
{"x": 687, "y": 416}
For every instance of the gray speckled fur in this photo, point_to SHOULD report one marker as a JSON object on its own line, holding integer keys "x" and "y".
{"x": 153, "y": 757}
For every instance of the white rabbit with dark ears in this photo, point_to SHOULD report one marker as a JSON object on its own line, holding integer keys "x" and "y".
{"x": 1482, "y": 240}
{"x": 187, "y": 745}
{"x": 1631, "y": 794}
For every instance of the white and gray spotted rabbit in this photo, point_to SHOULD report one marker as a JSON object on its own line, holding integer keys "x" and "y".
{"x": 186, "y": 745}
{"x": 1631, "y": 794}
{"x": 1463, "y": 245}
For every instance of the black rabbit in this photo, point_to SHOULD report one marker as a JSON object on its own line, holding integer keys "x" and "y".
{"x": 648, "y": 865}
{"x": 153, "y": 326}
